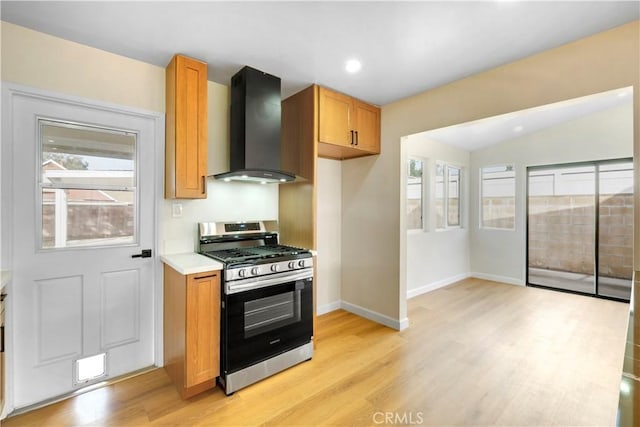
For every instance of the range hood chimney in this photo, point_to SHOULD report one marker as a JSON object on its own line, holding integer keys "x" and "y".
{"x": 255, "y": 129}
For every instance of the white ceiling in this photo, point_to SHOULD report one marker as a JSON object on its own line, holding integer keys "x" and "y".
{"x": 405, "y": 47}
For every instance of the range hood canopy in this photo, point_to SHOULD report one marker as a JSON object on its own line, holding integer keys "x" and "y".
{"x": 255, "y": 129}
{"x": 256, "y": 175}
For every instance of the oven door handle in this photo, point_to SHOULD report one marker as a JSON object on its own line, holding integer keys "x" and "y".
{"x": 275, "y": 279}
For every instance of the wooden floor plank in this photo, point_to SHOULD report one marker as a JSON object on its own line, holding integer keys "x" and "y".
{"x": 476, "y": 353}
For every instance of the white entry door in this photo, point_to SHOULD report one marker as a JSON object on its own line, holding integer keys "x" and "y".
{"x": 83, "y": 205}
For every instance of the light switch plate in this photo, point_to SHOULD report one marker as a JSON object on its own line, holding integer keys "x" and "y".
{"x": 176, "y": 210}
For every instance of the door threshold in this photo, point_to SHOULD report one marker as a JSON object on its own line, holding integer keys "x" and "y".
{"x": 571, "y": 291}
{"x": 82, "y": 390}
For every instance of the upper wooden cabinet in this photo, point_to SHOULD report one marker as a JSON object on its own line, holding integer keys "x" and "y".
{"x": 347, "y": 127}
{"x": 186, "y": 129}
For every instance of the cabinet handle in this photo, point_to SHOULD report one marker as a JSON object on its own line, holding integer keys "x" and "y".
{"x": 2, "y": 339}
{"x": 356, "y": 137}
{"x": 204, "y": 184}
{"x": 205, "y": 277}
{"x": 2, "y": 297}
{"x": 352, "y": 137}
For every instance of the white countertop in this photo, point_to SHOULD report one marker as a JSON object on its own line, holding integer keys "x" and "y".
{"x": 191, "y": 263}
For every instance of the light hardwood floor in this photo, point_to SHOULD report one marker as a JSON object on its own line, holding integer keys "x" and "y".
{"x": 476, "y": 353}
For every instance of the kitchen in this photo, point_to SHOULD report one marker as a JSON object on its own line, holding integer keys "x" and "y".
{"x": 363, "y": 181}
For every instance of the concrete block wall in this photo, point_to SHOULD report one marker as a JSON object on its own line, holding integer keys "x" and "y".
{"x": 561, "y": 234}
{"x": 616, "y": 235}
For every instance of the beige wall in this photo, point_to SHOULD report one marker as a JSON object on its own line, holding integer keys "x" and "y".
{"x": 373, "y": 219}
{"x": 329, "y": 230}
{"x": 42, "y": 61}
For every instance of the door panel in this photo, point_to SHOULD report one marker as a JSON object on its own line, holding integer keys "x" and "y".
{"x": 80, "y": 293}
{"x": 51, "y": 295}
{"x": 335, "y": 121}
{"x": 120, "y": 308}
{"x": 561, "y": 241}
{"x": 615, "y": 228}
{"x": 368, "y": 126}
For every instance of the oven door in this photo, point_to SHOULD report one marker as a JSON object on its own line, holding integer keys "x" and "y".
{"x": 262, "y": 323}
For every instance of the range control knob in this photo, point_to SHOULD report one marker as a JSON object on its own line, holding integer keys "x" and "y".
{"x": 301, "y": 263}
{"x": 291, "y": 265}
{"x": 254, "y": 271}
{"x": 242, "y": 272}
{"x": 275, "y": 267}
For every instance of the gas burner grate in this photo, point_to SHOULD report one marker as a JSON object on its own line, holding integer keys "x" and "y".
{"x": 257, "y": 252}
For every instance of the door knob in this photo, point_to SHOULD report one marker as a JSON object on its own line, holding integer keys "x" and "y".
{"x": 146, "y": 253}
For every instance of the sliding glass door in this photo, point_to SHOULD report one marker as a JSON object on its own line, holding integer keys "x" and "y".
{"x": 580, "y": 227}
{"x": 615, "y": 229}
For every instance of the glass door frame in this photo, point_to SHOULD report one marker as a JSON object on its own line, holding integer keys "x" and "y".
{"x": 596, "y": 271}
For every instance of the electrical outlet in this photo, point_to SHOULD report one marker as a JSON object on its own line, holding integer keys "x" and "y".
{"x": 176, "y": 210}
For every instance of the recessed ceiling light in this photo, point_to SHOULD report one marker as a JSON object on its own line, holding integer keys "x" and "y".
{"x": 352, "y": 66}
{"x": 518, "y": 128}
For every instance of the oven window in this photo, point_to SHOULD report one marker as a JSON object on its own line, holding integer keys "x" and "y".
{"x": 269, "y": 313}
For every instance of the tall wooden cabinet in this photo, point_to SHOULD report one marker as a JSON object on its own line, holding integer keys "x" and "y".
{"x": 186, "y": 129}
{"x": 192, "y": 330}
{"x": 318, "y": 122}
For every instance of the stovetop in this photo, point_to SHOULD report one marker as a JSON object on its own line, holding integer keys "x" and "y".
{"x": 257, "y": 253}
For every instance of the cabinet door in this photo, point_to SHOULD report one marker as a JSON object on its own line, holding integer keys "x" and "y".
{"x": 367, "y": 127}
{"x": 186, "y": 128}
{"x": 334, "y": 117}
{"x": 202, "y": 357}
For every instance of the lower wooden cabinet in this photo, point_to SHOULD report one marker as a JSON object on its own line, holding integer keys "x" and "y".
{"x": 192, "y": 330}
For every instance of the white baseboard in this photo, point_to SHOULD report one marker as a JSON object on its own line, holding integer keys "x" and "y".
{"x": 435, "y": 285}
{"x": 327, "y": 308}
{"x": 501, "y": 279}
{"x": 375, "y": 316}
{"x": 363, "y": 312}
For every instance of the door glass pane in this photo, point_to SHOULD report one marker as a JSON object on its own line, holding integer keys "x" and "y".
{"x": 88, "y": 186}
{"x": 73, "y": 218}
{"x": 615, "y": 257}
{"x": 561, "y": 237}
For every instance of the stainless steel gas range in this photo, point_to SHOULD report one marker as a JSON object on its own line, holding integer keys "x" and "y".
{"x": 267, "y": 301}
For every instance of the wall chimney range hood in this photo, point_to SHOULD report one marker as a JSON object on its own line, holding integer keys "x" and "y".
{"x": 255, "y": 129}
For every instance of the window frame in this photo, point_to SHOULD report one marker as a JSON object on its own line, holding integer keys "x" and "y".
{"x": 42, "y": 186}
{"x": 446, "y": 166}
{"x": 481, "y": 196}
{"x": 423, "y": 216}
